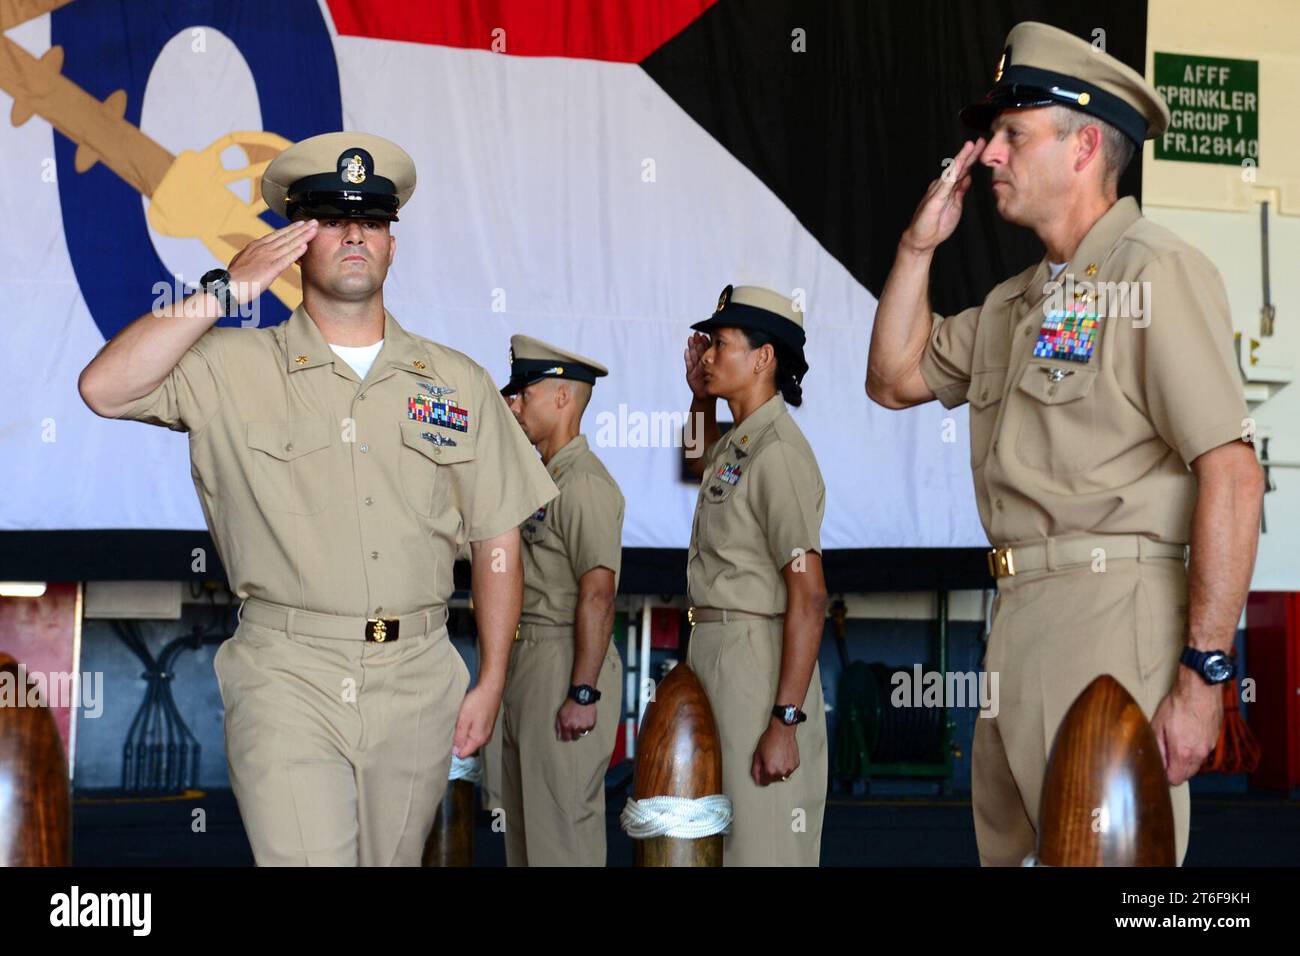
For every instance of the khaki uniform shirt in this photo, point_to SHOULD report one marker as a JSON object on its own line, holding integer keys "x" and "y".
{"x": 577, "y": 531}
{"x": 335, "y": 495}
{"x": 760, "y": 506}
{"x": 1102, "y": 444}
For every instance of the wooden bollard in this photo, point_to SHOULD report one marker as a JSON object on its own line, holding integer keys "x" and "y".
{"x": 678, "y": 755}
{"x": 451, "y": 841}
{"x": 1105, "y": 795}
{"x": 35, "y": 803}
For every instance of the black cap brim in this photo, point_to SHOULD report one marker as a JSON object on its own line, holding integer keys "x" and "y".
{"x": 527, "y": 372}
{"x": 979, "y": 116}
{"x": 736, "y": 316}
{"x": 1027, "y": 86}
{"x": 341, "y": 204}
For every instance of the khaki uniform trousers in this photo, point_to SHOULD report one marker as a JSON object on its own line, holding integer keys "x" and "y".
{"x": 1053, "y": 633}
{"x": 490, "y": 761}
{"x": 338, "y": 748}
{"x": 739, "y": 664}
{"x": 553, "y": 791}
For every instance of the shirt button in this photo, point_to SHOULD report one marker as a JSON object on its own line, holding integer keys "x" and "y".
{"x": 984, "y": 395}
{"x": 369, "y": 500}
{"x": 998, "y": 504}
{"x": 364, "y": 448}
{"x": 288, "y": 446}
{"x": 1028, "y": 329}
{"x": 1051, "y": 390}
{"x": 374, "y": 555}
{"x": 361, "y": 398}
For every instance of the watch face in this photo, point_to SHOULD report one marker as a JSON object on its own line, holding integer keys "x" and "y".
{"x": 1218, "y": 668}
{"x": 789, "y": 714}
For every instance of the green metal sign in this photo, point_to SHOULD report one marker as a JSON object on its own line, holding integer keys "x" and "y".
{"x": 1213, "y": 107}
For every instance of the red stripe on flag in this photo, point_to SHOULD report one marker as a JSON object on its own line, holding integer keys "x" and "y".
{"x": 625, "y": 31}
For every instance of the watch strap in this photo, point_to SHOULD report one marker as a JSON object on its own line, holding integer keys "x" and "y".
{"x": 780, "y": 712}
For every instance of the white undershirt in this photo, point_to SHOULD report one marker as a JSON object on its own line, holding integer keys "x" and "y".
{"x": 360, "y": 357}
{"x": 1056, "y": 267}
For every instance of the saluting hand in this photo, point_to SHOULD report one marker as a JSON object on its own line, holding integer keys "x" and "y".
{"x": 777, "y": 754}
{"x": 260, "y": 262}
{"x": 940, "y": 209}
{"x": 696, "y": 346}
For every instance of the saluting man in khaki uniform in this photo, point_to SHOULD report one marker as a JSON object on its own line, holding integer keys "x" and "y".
{"x": 341, "y": 462}
{"x": 1106, "y": 418}
{"x": 564, "y": 685}
{"x": 755, "y": 579}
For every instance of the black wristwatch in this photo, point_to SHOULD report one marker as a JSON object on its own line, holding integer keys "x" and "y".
{"x": 584, "y": 694}
{"x": 1215, "y": 667}
{"x": 789, "y": 714}
{"x": 216, "y": 282}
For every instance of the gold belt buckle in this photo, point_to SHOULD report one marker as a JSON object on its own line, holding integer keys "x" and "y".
{"x": 1001, "y": 563}
{"x": 380, "y": 630}
{"x": 690, "y": 616}
{"x": 518, "y": 627}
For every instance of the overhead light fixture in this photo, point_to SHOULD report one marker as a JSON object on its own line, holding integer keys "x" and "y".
{"x": 28, "y": 589}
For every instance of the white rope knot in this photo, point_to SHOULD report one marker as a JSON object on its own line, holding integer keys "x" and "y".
{"x": 465, "y": 768}
{"x": 679, "y": 817}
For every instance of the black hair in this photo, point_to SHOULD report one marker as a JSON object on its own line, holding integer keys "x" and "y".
{"x": 790, "y": 366}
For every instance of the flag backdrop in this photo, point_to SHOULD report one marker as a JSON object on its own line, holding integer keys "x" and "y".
{"x": 590, "y": 173}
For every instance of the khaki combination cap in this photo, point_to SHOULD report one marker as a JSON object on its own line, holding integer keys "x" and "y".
{"x": 1046, "y": 66}
{"x": 760, "y": 310}
{"x": 532, "y": 360}
{"x": 340, "y": 176}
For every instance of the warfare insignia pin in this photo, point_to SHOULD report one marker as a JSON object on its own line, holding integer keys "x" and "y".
{"x": 1058, "y": 374}
{"x": 437, "y": 391}
{"x": 437, "y": 438}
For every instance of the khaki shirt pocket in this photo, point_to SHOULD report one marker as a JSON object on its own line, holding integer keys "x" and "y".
{"x": 985, "y": 398}
{"x": 1058, "y": 422}
{"x": 423, "y": 465}
{"x": 289, "y": 465}
{"x": 716, "y": 490}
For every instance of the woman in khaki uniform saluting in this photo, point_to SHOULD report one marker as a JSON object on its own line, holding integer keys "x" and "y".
{"x": 754, "y": 575}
